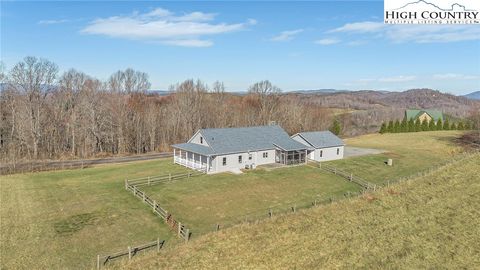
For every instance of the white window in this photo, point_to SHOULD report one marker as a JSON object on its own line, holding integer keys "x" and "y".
{"x": 249, "y": 156}
{"x": 224, "y": 161}
{"x": 338, "y": 151}
{"x": 265, "y": 154}
{"x": 240, "y": 159}
{"x": 201, "y": 140}
{"x": 321, "y": 153}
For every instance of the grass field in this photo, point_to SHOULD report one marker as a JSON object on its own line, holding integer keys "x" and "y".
{"x": 63, "y": 219}
{"x": 411, "y": 153}
{"x": 204, "y": 201}
{"x": 426, "y": 223}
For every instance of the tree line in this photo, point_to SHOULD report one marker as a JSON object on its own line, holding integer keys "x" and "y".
{"x": 48, "y": 115}
{"x": 412, "y": 125}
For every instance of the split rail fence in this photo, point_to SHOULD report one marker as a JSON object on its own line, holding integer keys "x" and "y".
{"x": 349, "y": 176}
{"x": 130, "y": 252}
{"x": 133, "y": 185}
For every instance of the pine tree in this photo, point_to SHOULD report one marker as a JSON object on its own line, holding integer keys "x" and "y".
{"x": 453, "y": 126}
{"x": 446, "y": 125}
{"x": 396, "y": 126}
{"x": 383, "y": 128}
{"x": 404, "y": 125}
{"x": 424, "y": 125}
{"x": 468, "y": 126}
{"x": 336, "y": 128}
{"x": 418, "y": 126}
{"x": 431, "y": 125}
{"x": 439, "y": 124}
{"x": 411, "y": 125}
{"x": 460, "y": 126}
{"x": 390, "y": 126}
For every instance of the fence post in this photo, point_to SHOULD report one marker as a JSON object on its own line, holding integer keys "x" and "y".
{"x": 154, "y": 205}
{"x": 270, "y": 212}
{"x": 134, "y": 190}
{"x": 143, "y": 195}
{"x": 129, "y": 253}
{"x": 158, "y": 244}
{"x": 98, "y": 262}
{"x": 126, "y": 184}
{"x": 217, "y": 227}
{"x": 148, "y": 180}
{"x": 335, "y": 170}
{"x": 351, "y": 176}
{"x": 179, "y": 228}
{"x": 315, "y": 202}
{"x": 169, "y": 177}
{"x": 187, "y": 235}
{"x": 293, "y": 208}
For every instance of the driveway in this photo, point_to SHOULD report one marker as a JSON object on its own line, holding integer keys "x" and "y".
{"x": 351, "y": 151}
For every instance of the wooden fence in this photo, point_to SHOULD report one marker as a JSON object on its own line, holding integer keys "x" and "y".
{"x": 133, "y": 185}
{"x": 349, "y": 176}
{"x": 130, "y": 252}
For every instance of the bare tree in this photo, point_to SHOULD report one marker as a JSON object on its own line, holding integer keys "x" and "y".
{"x": 268, "y": 97}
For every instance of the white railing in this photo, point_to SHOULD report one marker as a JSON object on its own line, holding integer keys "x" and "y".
{"x": 190, "y": 164}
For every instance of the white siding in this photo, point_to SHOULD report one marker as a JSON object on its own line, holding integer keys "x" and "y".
{"x": 329, "y": 153}
{"x": 232, "y": 160}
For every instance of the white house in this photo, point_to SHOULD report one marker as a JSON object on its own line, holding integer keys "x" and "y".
{"x": 216, "y": 150}
{"x": 326, "y": 146}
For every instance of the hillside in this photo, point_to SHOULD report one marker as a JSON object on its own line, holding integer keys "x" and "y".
{"x": 428, "y": 222}
{"x": 473, "y": 95}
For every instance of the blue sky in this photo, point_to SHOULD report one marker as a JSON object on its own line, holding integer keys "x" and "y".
{"x": 296, "y": 45}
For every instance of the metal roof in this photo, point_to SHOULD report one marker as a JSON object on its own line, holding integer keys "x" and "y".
{"x": 435, "y": 114}
{"x": 195, "y": 148}
{"x": 321, "y": 139}
{"x": 244, "y": 139}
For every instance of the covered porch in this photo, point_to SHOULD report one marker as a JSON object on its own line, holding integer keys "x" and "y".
{"x": 193, "y": 156}
{"x": 291, "y": 157}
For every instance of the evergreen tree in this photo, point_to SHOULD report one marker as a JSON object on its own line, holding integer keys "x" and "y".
{"x": 396, "y": 126}
{"x": 390, "y": 126}
{"x": 411, "y": 125}
{"x": 439, "y": 124}
{"x": 453, "y": 127}
{"x": 460, "y": 126}
{"x": 336, "y": 128}
{"x": 446, "y": 125}
{"x": 431, "y": 125}
{"x": 383, "y": 128}
{"x": 403, "y": 125}
{"x": 418, "y": 126}
{"x": 468, "y": 126}
{"x": 424, "y": 125}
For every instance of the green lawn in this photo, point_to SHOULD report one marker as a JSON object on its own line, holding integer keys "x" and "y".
{"x": 411, "y": 153}
{"x": 63, "y": 219}
{"x": 225, "y": 199}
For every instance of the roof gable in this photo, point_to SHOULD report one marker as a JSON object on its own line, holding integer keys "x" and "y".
{"x": 414, "y": 114}
{"x": 321, "y": 139}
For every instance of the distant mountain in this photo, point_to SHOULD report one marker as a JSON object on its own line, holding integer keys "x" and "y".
{"x": 317, "y": 91}
{"x": 473, "y": 95}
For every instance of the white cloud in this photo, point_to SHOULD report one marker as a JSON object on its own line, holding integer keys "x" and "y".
{"x": 393, "y": 79}
{"x": 397, "y": 79}
{"x": 454, "y": 76}
{"x": 287, "y": 35}
{"x": 412, "y": 33}
{"x": 327, "y": 41}
{"x": 47, "y": 22}
{"x": 165, "y": 27}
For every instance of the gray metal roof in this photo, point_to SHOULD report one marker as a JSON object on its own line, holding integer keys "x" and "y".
{"x": 195, "y": 148}
{"x": 321, "y": 139}
{"x": 244, "y": 139}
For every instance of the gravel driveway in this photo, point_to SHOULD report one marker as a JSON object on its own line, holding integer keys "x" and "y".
{"x": 351, "y": 151}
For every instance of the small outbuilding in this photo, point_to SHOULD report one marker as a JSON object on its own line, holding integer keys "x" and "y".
{"x": 324, "y": 145}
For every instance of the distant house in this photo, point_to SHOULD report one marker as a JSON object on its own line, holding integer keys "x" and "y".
{"x": 216, "y": 150}
{"x": 324, "y": 145}
{"x": 422, "y": 115}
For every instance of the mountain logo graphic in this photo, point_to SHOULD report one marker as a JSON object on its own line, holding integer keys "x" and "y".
{"x": 452, "y": 7}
